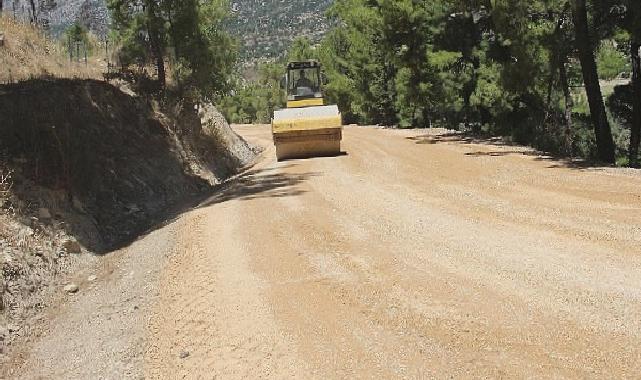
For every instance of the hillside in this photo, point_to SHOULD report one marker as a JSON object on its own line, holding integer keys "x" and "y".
{"x": 59, "y": 14}
{"x": 264, "y": 27}
{"x": 92, "y": 13}
{"x": 27, "y": 53}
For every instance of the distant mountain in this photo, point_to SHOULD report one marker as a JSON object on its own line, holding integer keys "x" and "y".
{"x": 91, "y": 13}
{"x": 264, "y": 27}
{"x": 60, "y": 14}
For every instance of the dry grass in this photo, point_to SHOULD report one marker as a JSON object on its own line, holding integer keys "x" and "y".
{"x": 27, "y": 54}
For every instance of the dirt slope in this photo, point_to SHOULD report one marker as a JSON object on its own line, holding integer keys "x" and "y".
{"x": 120, "y": 160}
{"x": 402, "y": 259}
{"x": 92, "y": 168}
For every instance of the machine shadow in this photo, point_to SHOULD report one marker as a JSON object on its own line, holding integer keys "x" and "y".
{"x": 340, "y": 154}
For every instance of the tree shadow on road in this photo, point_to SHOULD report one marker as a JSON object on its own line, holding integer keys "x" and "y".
{"x": 556, "y": 161}
{"x": 261, "y": 183}
{"x": 502, "y": 153}
{"x": 456, "y": 137}
{"x": 252, "y": 184}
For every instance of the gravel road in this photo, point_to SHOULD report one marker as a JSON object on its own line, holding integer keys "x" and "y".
{"x": 408, "y": 257}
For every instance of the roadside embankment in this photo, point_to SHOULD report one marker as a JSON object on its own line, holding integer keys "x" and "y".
{"x": 93, "y": 167}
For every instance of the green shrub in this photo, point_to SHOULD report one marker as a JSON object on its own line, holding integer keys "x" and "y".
{"x": 611, "y": 61}
{"x": 583, "y": 140}
{"x": 620, "y": 104}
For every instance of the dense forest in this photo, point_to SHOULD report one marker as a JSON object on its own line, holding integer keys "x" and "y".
{"x": 561, "y": 75}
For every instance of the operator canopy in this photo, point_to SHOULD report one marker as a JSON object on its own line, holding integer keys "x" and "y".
{"x": 303, "y": 80}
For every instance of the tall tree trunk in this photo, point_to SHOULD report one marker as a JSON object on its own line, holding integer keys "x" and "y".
{"x": 604, "y": 140}
{"x": 155, "y": 39}
{"x": 34, "y": 15}
{"x": 635, "y": 137}
{"x": 569, "y": 105}
{"x": 160, "y": 61}
{"x": 1, "y": 1}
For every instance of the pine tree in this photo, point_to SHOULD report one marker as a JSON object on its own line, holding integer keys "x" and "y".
{"x": 585, "y": 45}
{"x": 632, "y": 24}
{"x": 203, "y": 52}
{"x": 361, "y": 75}
{"x": 301, "y": 50}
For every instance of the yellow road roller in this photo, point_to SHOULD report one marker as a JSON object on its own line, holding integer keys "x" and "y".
{"x": 307, "y": 127}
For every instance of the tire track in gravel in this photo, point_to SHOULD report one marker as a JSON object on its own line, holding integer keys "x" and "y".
{"x": 211, "y": 310}
{"x": 399, "y": 260}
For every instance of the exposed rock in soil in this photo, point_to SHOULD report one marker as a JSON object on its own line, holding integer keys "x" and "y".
{"x": 71, "y": 288}
{"x": 72, "y": 246}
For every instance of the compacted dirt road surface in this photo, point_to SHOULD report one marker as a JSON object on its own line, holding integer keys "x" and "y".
{"x": 408, "y": 257}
